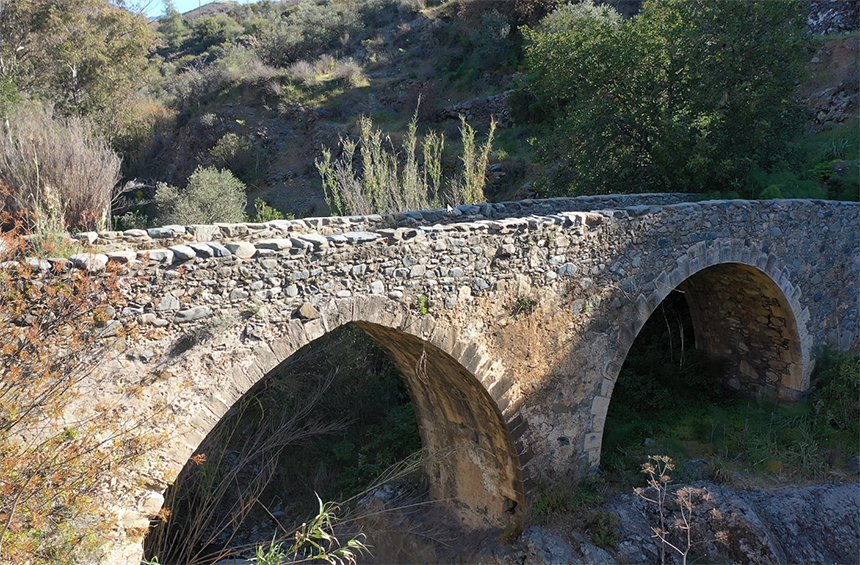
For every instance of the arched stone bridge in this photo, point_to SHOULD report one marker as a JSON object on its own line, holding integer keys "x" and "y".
{"x": 510, "y": 393}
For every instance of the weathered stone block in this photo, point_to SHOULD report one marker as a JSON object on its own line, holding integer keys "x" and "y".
{"x": 192, "y": 314}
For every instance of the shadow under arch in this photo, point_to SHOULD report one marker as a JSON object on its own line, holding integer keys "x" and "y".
{"x": 474, "y": 461}
{"x": 473, "y": 469}
{"x": 744, "y": 310}
{"x": 741, "y": 315}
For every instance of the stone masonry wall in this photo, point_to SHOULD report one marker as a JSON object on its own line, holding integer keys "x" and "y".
{"x": 509, "y": 321}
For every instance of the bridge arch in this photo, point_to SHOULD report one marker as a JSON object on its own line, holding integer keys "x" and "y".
{"x": 473, "y": 461}
{"x": 744, "y": 309}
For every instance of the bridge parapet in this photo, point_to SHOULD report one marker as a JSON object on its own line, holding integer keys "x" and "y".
{"x": 156, "y": 237}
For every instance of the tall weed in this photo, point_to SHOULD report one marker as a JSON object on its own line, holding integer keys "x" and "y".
{"x": 388, "y": 183}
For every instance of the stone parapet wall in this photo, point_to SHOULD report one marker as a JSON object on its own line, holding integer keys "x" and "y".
{"x": 429, "y": 253}
{"x": 155, "y": 238}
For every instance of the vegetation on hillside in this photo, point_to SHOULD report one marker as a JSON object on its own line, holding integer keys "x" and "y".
{"x": 688, "y": 96}
{"x": 685, "y": 97}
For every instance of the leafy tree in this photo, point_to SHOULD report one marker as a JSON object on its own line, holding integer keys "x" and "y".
{"x": 308, "y": 28}
{"x": 84, "y": 56}
{"x": 687, "y": 96}
{"x": 9, "y": 96}
{"x": 172, "y": 27}
{"x": 217, "y": 29}
{"x": 493, "y": 46}
{"x": 236, "y": 153}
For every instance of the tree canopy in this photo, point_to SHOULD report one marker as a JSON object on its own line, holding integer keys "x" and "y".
{"x": 86, "y": 57}
{"x": 688, "y": 96}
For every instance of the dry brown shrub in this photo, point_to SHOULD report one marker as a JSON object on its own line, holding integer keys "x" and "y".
{"x": 58, "y": 449}
{"x": 303, "y": 72}
{"x": 46, "y": 160}
{"x": 349, "y": 73}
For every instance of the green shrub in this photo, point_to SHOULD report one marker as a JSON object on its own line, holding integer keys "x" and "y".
{"x": 822, "y": 172}
{"x": 266, "y": 213}
{"x": 845, "y": 186}
{"x": 210, "y": 196}
{"x": 236, "y": 153}
{"x": 784, "y": 183}
{"x": 190, "y": 85}
{"x": 646, "y": 104}
{"x": 604, "y": 527}
{"x": 493, "y": 46}
{"x": 525, "y": 305}
{"x": 837, "y": 399}
{"x": 564, "y": 499}
{"x": 9, "y": 96}
{"x": 213, "y": 30}
{"x": 131, "y": 220}
{"x": 242, "y": 64}
{"x": 307, "y": 29}
{"x": 234, "y": 65}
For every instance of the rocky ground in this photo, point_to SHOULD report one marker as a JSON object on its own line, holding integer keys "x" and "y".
{"x": 811, "y": 525}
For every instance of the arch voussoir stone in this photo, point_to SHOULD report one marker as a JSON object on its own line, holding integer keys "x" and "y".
{"x": 265, "y": 359}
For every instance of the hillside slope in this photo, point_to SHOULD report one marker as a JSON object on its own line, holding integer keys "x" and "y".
{"x": 457, "y": 58}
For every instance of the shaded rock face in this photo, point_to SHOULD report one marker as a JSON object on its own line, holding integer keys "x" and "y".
{"x": 833, "y": 16}
{"x": 817, "y": 524}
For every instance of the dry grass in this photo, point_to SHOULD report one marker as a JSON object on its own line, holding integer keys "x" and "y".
{"x": 349, "y": 73}
{"x": 239, "y": 65}
{"x": 219, "y": 489}
{"x": 56, "y": 168}
{"x": 303, "y": 72}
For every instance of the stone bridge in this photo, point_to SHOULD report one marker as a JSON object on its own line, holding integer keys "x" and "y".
{"x": 509, "y": 322}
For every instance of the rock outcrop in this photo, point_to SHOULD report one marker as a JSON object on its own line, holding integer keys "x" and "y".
{"x": 818, "y": 524}
{"x": 833, "y": 16}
